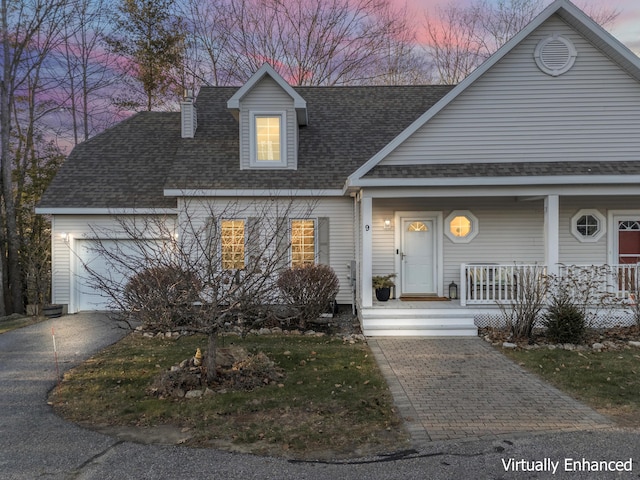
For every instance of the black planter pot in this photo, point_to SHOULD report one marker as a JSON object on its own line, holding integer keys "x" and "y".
{"x": 52, "y": 311}
{"x": 383, "y": 294}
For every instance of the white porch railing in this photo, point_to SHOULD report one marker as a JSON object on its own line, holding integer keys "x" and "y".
{"x": 489, "y": 283}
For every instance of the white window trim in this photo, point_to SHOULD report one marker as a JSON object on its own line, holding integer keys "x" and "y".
{"x": 253, "y": 160}
{"x": 613, "y": 217}
{"x": 474, "y": 226}
{"x": 315, "y": 238}
{"x": 602, "y": 230}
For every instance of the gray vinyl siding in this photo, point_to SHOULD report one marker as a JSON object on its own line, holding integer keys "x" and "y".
{"x": 337, "y": 211}
{"x": 509, "y": 231}
{"x": 572, "y": 251}
{"x": 515, "y": 112}
{"x": 268, "y": 96}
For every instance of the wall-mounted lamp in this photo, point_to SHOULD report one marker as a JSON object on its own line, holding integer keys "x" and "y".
{"x": 387, "y": 224}
{"x": 65, "y": 237}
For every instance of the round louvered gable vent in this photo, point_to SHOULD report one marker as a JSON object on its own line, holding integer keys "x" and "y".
{"x": 555, "y": 55}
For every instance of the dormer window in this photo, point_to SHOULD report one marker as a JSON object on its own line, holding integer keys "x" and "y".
{"x": 267, "y": 140}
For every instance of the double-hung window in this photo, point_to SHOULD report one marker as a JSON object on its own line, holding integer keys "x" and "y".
{"x": 268, "y": 146}
{"x": 232, "y": 244}
{"x": 303, "y": 242}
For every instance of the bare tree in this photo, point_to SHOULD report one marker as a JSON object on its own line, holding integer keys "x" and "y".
{"x": 30, "y": 33}
{"x": 455, "y": 48}
{"x": 221, "y": 270}
{"x": 462, "y": 37}
{"x": 210, "y": 58}
{"x": 311, "y": 42}
{"x": 91, "y": 70}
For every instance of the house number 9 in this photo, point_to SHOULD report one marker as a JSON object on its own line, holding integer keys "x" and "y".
{"x": 366, "y": 228}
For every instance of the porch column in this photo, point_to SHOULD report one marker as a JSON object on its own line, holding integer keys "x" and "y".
{"x": 552, "y": 233}
{"x": 367, "y": 251}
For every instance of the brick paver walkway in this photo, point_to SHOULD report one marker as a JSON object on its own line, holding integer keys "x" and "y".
{"x": 455, "y": 388}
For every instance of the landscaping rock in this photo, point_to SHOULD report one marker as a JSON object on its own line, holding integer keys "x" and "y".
{"x": 193, "y": 394}
{"x": 634, "y": 344}
{"x": 509, "y": 345}
{"x": 597, "y": 346}
{"x": 569, "y": 346}
{"x": 264, "y": 331}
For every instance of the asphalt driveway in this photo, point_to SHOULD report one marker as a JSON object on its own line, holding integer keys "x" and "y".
{"x": 35, "y": 443}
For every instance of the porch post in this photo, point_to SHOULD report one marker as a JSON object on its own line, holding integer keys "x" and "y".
{"x": 552, "y": 233}
{"x": 367, "y": 251}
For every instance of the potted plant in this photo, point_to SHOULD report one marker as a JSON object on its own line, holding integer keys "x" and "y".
{"x": 382, "y": 284}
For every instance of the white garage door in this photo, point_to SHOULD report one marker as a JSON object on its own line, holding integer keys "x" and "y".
{"x": 88, "y": 294}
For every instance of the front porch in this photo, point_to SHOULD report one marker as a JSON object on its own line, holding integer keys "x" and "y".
{"x": 483, "y": 287}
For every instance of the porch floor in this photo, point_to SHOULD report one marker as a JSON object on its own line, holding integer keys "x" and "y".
{"x": 433, "y": 304}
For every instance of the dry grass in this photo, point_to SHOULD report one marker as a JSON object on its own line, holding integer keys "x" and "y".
{"x": 607, "y": 381}
{"x": 332, "y": 400}
{"x": 13, "y": 322}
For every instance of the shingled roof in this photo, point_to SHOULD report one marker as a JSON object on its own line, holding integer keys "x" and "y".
{"x": 130, "y": 164}
{"x": 347, "y": 126}
{"x": 511, "y": 169}
{"x": 123, "y": 167}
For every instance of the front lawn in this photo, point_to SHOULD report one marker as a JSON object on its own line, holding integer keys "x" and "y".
{"x": 331, "y": 401}
{"x": 607, "y": 381}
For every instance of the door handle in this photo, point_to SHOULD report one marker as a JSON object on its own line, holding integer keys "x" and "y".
{"x": 402, "y": 255}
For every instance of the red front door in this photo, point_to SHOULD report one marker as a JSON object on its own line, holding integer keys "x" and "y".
{"x": 628, "y": 241}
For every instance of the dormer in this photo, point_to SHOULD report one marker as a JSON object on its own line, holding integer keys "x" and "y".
{"x": 269, "y": 113}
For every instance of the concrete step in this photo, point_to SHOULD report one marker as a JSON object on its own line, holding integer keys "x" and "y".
{"x": 418, "y": 322}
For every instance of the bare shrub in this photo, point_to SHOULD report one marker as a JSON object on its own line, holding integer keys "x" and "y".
{"x": 309, "y": 290}
{"x": 522, "y": 313}
{"x": 590, "y": 289}
{"x": 162, "y": 296}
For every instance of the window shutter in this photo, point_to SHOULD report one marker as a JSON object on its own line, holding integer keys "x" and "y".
{"x": 282, "y": 243}
{"x": 211, "y": 241}
{"x": 323, "y": 240}
{"x": 253, "y": 252}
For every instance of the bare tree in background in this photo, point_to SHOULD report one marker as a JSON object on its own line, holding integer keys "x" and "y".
{"x": 91, "y": 70}
{"x": 311, "y": 42}
{"x": 453, "y": 39}
{"x": 210, "y": 58}
{"x": 31, "y": 31}
{"x": 205, "y": 278}
{"x": 461, "y": 37}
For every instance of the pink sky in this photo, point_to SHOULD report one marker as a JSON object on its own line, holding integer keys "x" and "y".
{"x": 626, "y": 28}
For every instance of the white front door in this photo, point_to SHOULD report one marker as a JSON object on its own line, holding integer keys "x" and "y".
{"x": 418, "y": 256}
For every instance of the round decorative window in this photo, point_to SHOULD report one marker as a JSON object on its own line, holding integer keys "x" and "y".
{"x": 555, "y": 55}
{"x": 588, "y": 225}
{"x": 461, "y": 226}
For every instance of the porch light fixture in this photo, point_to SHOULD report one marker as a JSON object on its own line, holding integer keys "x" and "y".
{"x": 65, "y": 237}
{"x": 453, "y": 290}
{"x": 387, "y": 224}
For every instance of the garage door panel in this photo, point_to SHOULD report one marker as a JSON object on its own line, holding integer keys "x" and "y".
{"x": 94, "y": 268}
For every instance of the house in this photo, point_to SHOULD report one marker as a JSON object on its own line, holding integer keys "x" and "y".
{"x": 534, "y": 159}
